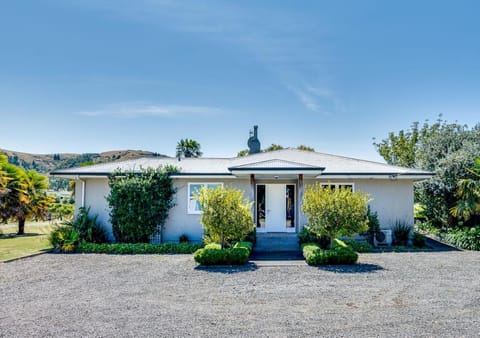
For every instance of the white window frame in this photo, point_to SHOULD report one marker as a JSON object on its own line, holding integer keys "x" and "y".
{"x": 337, "y": 184}
{"x": 191, "y": 201}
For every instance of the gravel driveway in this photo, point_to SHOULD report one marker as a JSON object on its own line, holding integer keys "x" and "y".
{"x": 390, "y": 294}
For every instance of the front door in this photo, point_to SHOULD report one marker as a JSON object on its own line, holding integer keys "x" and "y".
{"x": 276, "y": 208}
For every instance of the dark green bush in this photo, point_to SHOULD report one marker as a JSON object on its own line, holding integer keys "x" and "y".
{"x": 138, "y": 248}
{"x": 183, "y": 239}
{"x": 401, "y": 233}
{"x": 232, "y": 256}
{"x": 341, "y": 254}
{"x": 464, "y": 238}
{"x": 87, "y": 227}
{"x": 64, "y": 238}
{"x": 140, "y": 203}
{"x": 309, "y": 236}
{"x": 359, "y": 246}
{"x": 373, "y": 225}
{"x": 252, "y": 236}
{"x": 215, "y": 246}
{"x": 418, "y": 240}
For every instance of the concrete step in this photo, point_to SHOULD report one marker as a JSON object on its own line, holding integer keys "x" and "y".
{"x": 276, "y": 242}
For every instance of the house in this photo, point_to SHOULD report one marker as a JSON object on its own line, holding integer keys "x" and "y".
{"x": 274, "y": 180}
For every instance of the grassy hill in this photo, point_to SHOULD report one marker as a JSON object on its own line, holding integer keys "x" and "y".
{"x": 45, "y": 163}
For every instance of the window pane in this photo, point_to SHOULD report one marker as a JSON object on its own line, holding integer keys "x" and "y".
{"x": 260, "y": 206}
{"x": 290, "y": 205}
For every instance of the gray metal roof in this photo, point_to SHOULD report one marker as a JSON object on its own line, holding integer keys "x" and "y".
{"x": 285, "y": 158}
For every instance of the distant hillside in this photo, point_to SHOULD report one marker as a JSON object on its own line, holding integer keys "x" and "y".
{"x": 45, "y": 163}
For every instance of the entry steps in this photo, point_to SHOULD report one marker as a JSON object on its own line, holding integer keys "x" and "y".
{"x": 277, "y": 242}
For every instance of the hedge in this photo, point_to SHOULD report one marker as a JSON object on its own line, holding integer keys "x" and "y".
{"x": 212, "y": 254}
{"x": 340, "y": 254}
{"x": 138, "y": 248}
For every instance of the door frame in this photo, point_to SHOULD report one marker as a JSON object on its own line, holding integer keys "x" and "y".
{"x": 264, "y": 229}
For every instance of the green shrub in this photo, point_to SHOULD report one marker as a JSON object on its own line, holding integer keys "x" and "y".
{"x": 373, "y": 225}
{"x": 337, "y": 212}
{"x": 418, "y": 240}
{"x": 226, "y": 215}
{"x": 64, "y": 238}
{"x": 138, "y": 248}
{"x": 307, "y": 235}
{"x": 401, "y": 233}
{"x": 214, "y": 246}
{"x": 87, "y": 227}
{"x": 232, "y": 256}
{"x": 464, "y": 238}
{"x": 252, "y": 236}
{"x": 246, "y": 245}
{"x": 140, "y": 203}
{"x": 341, "y": 254}
{"x": 183, "y": 239}
{"x": 359, "y": 246}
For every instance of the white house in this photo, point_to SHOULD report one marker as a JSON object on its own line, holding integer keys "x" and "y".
{"x": 274, "y": 180}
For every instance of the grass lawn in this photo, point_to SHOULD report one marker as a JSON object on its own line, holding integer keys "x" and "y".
{"x": 35, "y": 240}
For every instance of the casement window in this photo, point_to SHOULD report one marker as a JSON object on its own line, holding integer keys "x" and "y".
{"x": 332, "y": 186}
{"x": 193, "y": 205}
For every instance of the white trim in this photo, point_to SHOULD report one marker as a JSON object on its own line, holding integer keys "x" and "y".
{"x": 375, "y": 177}
{"x": 191, "y": 200}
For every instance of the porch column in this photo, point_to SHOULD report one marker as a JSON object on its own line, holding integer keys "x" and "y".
{"x": 252, "y": 193}
{"x": 300, "y": 202}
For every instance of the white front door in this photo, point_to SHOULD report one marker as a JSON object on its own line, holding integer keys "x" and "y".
{"x": 275, "y": 207}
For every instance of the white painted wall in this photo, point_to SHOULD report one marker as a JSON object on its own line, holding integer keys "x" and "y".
{"x": 391, "y": 199}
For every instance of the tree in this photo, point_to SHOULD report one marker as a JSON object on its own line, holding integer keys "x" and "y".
{"x": 188, "y": 148}
{"x": 243, "y": 152}
{"x": 35, "y": 202}
{"x": 226, "y": 214}
{"x": 306, "y": 148}
{"x": 140, "y": 203}
{"x": 468, "y": 190}
{"x": 335, "y": 212}
{"x": 273, "y": 147}
{"x": 448, "y": 150}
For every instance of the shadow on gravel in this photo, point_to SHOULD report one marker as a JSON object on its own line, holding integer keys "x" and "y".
{"x": 356, "y": 268}
{"x": 228, "y": 269}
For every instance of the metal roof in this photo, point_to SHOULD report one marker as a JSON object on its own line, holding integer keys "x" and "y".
{"x": 332, "y": 165}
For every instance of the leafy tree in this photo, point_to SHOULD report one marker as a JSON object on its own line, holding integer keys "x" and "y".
{"x": 447, "y": 149}
{"x": 226, "y": 214}
{"x": 335, "y": 212}
{"x": 243, "y": 152}
{"x": 140, "y": 203}
{"x": 188, "y": 148}
{"x": 304, "y": 147}
{"x": 273, "y": 147}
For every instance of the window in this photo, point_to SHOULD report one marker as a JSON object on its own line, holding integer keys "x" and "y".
{"x": 332, "y": 186}
{"x": 193, "y": 205}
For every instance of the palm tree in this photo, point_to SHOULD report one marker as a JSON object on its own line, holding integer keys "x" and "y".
{"x": 36, "y": 202}
{"x": 468, "y": 190}
{"x": 188, "y": 148}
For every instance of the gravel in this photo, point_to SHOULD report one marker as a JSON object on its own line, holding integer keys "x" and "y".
{"x": 427, "y": 294}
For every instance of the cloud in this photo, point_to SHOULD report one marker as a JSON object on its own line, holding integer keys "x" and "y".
{"x": 317, "y": 99}
{"x": 136, "y": 110}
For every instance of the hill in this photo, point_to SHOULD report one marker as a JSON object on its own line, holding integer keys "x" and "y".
{"x": 45, "y": 163}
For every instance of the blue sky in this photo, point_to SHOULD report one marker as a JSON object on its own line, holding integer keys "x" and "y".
{"x": 93, "y": 75}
